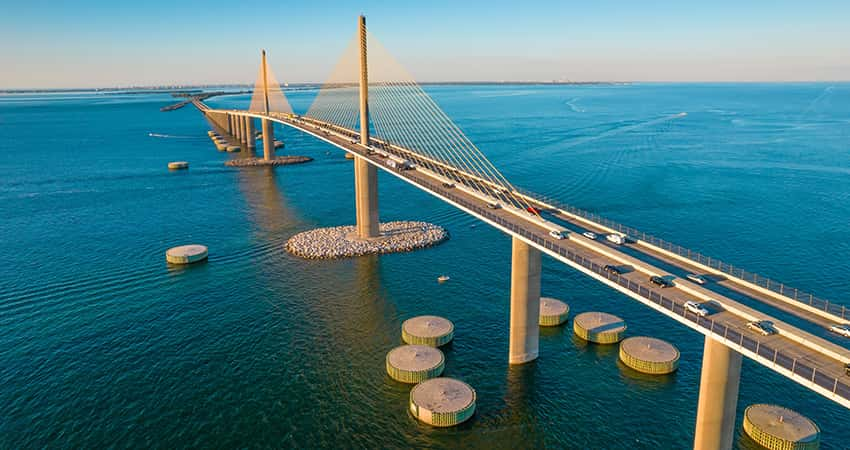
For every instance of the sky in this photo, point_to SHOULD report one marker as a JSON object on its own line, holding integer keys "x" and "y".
{"x": 89, "y": 43}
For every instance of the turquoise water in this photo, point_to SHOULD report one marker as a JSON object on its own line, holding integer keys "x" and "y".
{"x": 102, "y": 344}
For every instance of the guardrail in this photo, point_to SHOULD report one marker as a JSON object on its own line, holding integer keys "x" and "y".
{"x": 778, "y": 358}
{"x": 792, "y": 293}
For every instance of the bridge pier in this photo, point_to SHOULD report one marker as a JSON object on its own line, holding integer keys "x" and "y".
{"x": 366, "y": 198}
{"x": 268, "y": 139}
{"x": 251, "y": 140}
{"x": 718, "y": 396}
{"x": 525, "y": 302}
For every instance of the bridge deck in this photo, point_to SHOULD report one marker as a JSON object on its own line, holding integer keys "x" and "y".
{"x": 794, "y": 353}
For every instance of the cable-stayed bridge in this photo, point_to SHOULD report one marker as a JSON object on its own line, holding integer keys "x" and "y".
{"x": 375, "y": 111}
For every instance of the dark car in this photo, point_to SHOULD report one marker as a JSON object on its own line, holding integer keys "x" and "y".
{"x": 847, "y": 369}
{"x": 448, "y": 185}
{"x": 660, "y": 282}
{"x": 611, "y": 269}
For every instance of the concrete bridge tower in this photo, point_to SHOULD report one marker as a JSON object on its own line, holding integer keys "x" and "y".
{"x": 365, "y": 174}
{"x": 267, "y": 125}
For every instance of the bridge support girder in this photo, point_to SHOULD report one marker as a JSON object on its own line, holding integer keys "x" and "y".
{"x": 366, "y": 198}
{"x": 525, "y": 302}
{"x": 268, "y": 139}
{"x": 718, "y": 396}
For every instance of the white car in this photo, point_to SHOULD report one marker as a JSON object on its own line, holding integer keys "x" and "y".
{"x": 557, "y": 234}
{"x": 589, "y": 234}
{"x": 760, "y": 327}
{"x": 618, "y": 239}
{"x": 843, "y": 329}
{"x": 698, "y": 279}
{"x": 696, "y": 308}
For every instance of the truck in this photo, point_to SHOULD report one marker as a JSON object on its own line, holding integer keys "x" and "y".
{"x": 398, "y": 163}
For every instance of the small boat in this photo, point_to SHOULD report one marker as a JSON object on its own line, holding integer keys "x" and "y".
{"x": 443, "y": 278}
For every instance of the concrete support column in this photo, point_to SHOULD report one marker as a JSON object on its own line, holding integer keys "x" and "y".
{"x": 268, "y": 139}
{"x": 252, "y": 140}
{"x": 240, "y": 125}
{"x": 718, "y": 396}
{"x": 525, "y": 302}
{"x": 366, "y": 198}
{"x": 229, "y": 124}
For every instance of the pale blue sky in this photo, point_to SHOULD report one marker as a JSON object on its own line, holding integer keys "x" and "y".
{"x": 90, "y": 43}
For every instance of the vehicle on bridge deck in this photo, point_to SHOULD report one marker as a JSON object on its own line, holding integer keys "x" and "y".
{"x": 842, "y": 329}
{"x": 698, "y": 279}
{"x": 761, "y": 327}
{"x": 557, "y": 234}
{"x": 494, "y": 205}
{"x": 608, "y": 268}
{"x": 448, "y": 185}
{"x": 661, "y": 282}
{"x": 847, "y": 369}
{"x": 696, "y": 308}
{"x": 589, "y": 234}
{"x": 618, "y": 239}
{"x": 398, "y": 163}
{"x": 533, "y": 210}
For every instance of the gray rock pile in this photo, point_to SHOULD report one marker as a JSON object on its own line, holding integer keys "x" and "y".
{"x": 257, "y": 162}
{"x": 342, "y": 242}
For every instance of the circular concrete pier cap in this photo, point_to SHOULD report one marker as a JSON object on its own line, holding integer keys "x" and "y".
{"x": 177, "y": 165}
{"x": 433, "y": 331}
{"x": 186, "y": 254}
{"x": 599, "y": 327}
{"x": 775, "y": 427}
{"x": 649, "y": 355}
{"x": 415, "y": 363}
{"x": 553, "y": 312}
{"x": 442, "y": 402}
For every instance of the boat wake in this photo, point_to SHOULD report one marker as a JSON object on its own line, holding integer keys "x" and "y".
{"x": 170, "y": 136}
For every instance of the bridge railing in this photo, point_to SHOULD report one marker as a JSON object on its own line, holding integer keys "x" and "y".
{"x": 795, "y": 366}
{"x": 795, "y": 294}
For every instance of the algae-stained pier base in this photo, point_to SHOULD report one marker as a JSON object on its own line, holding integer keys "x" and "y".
{"x": 260, "y": 162}
{"x": 343, "y": 242}
{"x": 186, "y": 254}
{"x": 415, "y": 363}
{"x": 433, "y": 331}
{"x": 442, "y": 402}
{"x": 649, "y": 355}
{"x": 599, "y": 327}
{"x": 553, "y": 312}
{"x": 779, "y": 428}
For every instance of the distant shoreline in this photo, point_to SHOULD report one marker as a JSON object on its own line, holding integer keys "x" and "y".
{"x": 291, "y": 86}
{"x": 304, "y": 86}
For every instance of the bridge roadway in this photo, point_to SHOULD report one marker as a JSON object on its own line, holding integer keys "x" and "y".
{"x": 807, "y": 359}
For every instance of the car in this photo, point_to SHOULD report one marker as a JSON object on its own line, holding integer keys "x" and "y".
{"x": 618, "y": 239}
{"x": 660, "y": 282}
{"x": 493, "y": 205}
{"x": 761, "y": 327}
{"x": 611, "y": 269}
{"x": 448, "y": 185}
{"x": 533, "y": 210}
{"x": 842, "y": 329}
{"x": 847, "y": 369}
{"x": 589, "y": 234}
{"x": 698, "y": 279}
{"x": 557, "y": 234}
{"x": 696, "y": 308}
